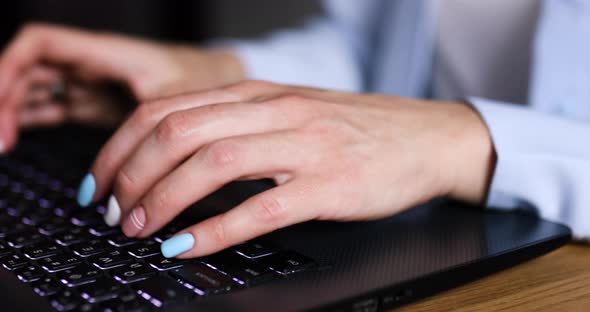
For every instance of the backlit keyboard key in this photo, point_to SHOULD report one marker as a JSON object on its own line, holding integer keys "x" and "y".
{"x": 120, "y": 240}
{"x": 101, "y": 290}
{"x": 162, "y": 291}
{"x": 4, "y": 249}
{"x": 78, "y": 275}
{"x": 254, "y": 249}
{"x": 245, "y": 270}
{"x": 133, "y": 272}
{"x": 47, "y": 286}
{"x": 53, "y": 226}
{"x": 144, "y": 249}
{"x": 19, "y": 240}
{"x": 41, "y": 250}
{"x": 91, "y": 247}
{"x": 110, "y": 259}
{"x": 13, "y": 261}
{"x": 203, "y": 279}
{"x": 65, "y": 300}
{"x": 101, "y": 229}
{"x": 286, "y": 262}
{"x": 59, "y": 262}
{"x": 161, "y": 263}
{"x": 75, "y": 235}
{"x": 29, "y": 273}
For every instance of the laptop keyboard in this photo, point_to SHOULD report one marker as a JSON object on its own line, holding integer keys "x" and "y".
{"x": 70, "y": 257}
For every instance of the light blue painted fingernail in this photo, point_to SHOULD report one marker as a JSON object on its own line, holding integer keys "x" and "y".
{"x": 176, "y": 245}
{"x": 86, "y": 190}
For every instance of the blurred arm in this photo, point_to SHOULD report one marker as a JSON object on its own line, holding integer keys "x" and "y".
{"x": 543, "y": 163}
{"x": 328, "y": 52}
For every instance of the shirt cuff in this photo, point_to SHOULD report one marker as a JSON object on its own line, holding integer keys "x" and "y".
{"x": 543, "y": 164}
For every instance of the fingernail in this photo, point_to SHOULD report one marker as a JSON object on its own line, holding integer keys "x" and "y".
{"x": 113, "y": 214}
{"x": 176, "y": 245}
{"x": 134, "y": 222}
{"x": 86, "y": 190}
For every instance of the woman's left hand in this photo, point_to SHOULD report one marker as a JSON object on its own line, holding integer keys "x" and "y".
{"x": 333, "y": 156}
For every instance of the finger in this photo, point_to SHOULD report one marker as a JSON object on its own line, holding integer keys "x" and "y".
{"x": 56, "y": 45}
{"x": 117, "y": 150}
{"x": 41, "y": 81}
{"x": 210, "y": 168}
{"x": 47, "y": 114}
{"x": 285, "y": 205}
{"x": 182, "y": 133}
{"x": 9, "y": 112}
{"x": 133, "y": 131}
{"x": 9, "y": 117}
{"x": 37, "y": 95}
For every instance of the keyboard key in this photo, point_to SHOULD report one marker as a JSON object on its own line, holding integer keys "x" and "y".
{"x": 161, "y": 263}
{"x": 144, "y": 249}
{"x": 287, "y": 262}
{"x": 120, "y": 240}
{"x": 41, "y": 250}
{"x": 65, "y": 300}
{"x": 64, "y": 208}
{"x": 46, "y": 286}
{"x": 132, "y": 272}
{"x": 101, "y": 229}
{"x": 85, "y": 217}
{"x": 10, "y": 226}
{"x": 78, "y": 275}
{"x": 36, "y": 217}
{"x": 169, "y": 231}
{"x": 59, "y": 262}
{"x": 162, "y": 291}
{"x": 126, "y": 302}
{"x": 87, "y": 307}
{"x": 73, "y": 236}
{"x": 29, "y": 273}
{"x": 203, "y": 279}
{"x": 91, "y": 247}
{"x": 101, "y": 290}
{"x": 111, "y": 259}
{"x": 4, "y": 250}
{"x": 21, "y": 207}
{"x": 255, "y": 249}
{"x": 245, "y": 270}
{"x": 13, "y": 261}
{"x": 53, "y": 226}
{"x": 26, "y": 238}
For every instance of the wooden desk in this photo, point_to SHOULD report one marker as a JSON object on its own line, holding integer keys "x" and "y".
{"x": 558, "y": 281}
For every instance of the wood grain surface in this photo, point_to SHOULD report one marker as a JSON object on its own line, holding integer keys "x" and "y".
{"x": 558, "y": 281}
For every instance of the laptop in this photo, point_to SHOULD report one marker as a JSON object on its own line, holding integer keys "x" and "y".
{"x": 57, "y": 256}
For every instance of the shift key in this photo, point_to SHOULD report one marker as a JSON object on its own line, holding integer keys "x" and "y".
{"x": 203, "y": 279}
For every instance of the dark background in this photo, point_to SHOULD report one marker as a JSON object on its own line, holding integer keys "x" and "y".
{"x": 177, "y": 20}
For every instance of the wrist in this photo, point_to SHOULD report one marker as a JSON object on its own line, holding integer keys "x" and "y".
{"x": 472, "y": 156}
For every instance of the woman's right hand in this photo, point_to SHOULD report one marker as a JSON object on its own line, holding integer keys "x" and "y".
{"x": 82, "y": 64}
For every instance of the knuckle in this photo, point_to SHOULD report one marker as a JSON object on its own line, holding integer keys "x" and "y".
{"x": 222, "y": 154}
{"x": 269, "y": 210}
{"x": 247, "y": 87}
{"x": 146, "y": 112}
{"x": 219, "y": 232}
{"x": 288, "y": 102}
{"x": 160, "y": 199}
{"x": 290, "y": 98}
{"x": 124, "y": 182}
{"x": 31, "y": 29}
{"x": 173, "y": 127}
